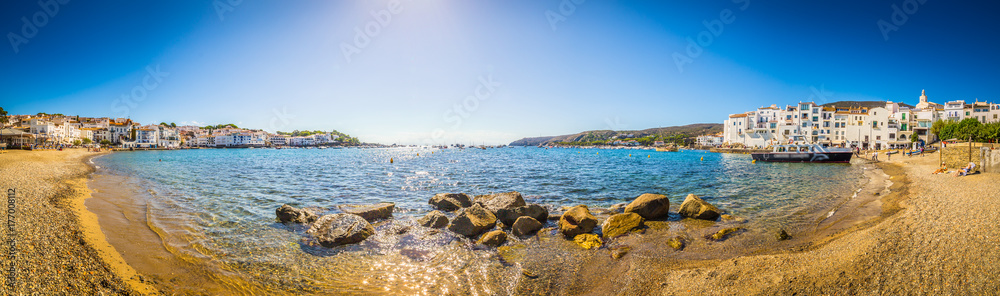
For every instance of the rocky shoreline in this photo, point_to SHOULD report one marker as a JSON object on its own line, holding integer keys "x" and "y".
{"x": 490, "y": 219}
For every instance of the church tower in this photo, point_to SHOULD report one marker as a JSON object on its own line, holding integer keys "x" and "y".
{"x": 923, "y": 100}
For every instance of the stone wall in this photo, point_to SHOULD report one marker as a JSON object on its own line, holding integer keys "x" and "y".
{"x": 958, "y": 155}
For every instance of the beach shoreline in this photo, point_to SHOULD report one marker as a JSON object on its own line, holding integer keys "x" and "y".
{"x": 839, "y": 238}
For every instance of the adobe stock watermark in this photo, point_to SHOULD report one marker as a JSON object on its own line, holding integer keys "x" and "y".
{"x": 615, "y": 123}
{"x": 713, "y": 29}
{"x": 460, "y": 112}
{"x": 222, "y": 7}
{"x": 38, "y": 20}
{"x": 122, "y": 106}
{"x": 380, "y": 20}
{"x": 820, "y": 94}
{"x": 11, "y": 254}
{"x": 899, "y": 17}
{"x": 280, "y": 119}
{"x": 565, "y": 10}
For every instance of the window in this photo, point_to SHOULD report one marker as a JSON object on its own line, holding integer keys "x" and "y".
{"x": 966, "y": 113}
{"x": 877, "y": 138}
{"x": 904, "y": 116}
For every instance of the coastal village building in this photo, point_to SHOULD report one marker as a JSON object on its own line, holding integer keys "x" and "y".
{"x": 867, "y": 126}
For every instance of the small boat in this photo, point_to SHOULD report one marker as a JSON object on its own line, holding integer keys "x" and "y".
{"x": 805, "y": 153}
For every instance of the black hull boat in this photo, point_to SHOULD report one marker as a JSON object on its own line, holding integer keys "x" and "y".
{"x": 805, "y": 153}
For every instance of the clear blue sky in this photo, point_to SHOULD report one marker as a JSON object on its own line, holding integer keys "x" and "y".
{"x": 604, "y": 65}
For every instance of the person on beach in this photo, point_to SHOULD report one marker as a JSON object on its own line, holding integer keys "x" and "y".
{"x": 875, "y": 156}
{"x": 942, "y": 170}
{"x": 965, "y": 170}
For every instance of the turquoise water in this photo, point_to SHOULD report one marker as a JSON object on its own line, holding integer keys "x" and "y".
{"x": 221, "y": 202}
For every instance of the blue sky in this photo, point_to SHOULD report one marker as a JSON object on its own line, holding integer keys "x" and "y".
{"x": 482, "y": 71}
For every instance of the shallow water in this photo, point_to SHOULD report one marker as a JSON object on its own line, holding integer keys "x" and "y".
{"x": 218, "y": 205}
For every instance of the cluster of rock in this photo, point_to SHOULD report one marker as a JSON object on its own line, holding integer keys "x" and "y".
{"x": 480, "y": 216}
{"x": 350, "y": 227}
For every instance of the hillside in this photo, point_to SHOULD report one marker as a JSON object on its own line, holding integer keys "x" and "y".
{"x": 869, "y": 104}
{"x": 666, "y": 133}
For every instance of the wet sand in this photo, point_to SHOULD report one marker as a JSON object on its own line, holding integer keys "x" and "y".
{"x": 125, "y": 220}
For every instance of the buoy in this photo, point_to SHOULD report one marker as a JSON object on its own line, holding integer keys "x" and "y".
{"x": 648, "y": 156}
{"x": 418, "y": 154}
{"x": 702, "y": 158}
{"x": 390, "y": 159}
{"x": 753, "y": 161}
{"x": 630, "y": 155}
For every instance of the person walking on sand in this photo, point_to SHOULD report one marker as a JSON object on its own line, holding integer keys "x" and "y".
{"x": 875, "y": 156}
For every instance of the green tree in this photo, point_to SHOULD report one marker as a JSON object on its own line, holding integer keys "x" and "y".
{"x": 105, "y": 142}
{"x": 86, "y": 141}
{"x": 77, "y": 142}
{"x": 174, "y": 125}
{"x": 937, "y": 127}
{"x": 968, "y": 128}
{"x": 914, "y": 137}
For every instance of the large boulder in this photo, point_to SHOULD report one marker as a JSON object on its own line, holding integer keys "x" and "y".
{"x": 695, "y": 207}
{"x": 450, "y": 201}
{"x": 649, "y": 206}
{"x": 340, "y": 229}
{"x": 371, "y": 213}
{"x": 577, "y": 220}
{"x": 509, "y": 216}
{"x": 493, "y": 238}
{"x": 506, "y": 200}
{"x": 620, "y": 224}
{"x": 473, "y": 221}
{"x": 525, "y": 225}
{"x": 434, "y": 219}
{"x": 290, "y": 214}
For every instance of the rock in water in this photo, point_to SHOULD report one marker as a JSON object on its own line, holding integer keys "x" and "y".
{"x": 618, "y": 252}
{"x": 695, "y": 207}
{"x": 507, "y": 200}
{"x": 287, "y": 213}
{"x": 617, "y": 208}
{"x": 782, "y": 235}
{"x": 577, "y": 220}
{"x": 450, "y": 201}
{"x": 649, "y": 206}
{"x": 341, "y": 229}
{"x": 677, "y": 243}
{"x": 587, "y": 241}
{"x": 493, "y": 238}
{"x": 620, "y": 224}
{"x": 509, "y": 216}
{"x": 526, "y": 225}
{"x": 473, "y": 221}
{"x": 434, "y": 219}
{"x": 725, "y": 233}
{"x": 379, "y": 211}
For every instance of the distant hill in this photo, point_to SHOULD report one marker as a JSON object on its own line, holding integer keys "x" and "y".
{"x": 869, "y": 104}
{"x": 692, "y": 130}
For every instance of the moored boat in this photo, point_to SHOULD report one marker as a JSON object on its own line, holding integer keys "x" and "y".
{"x": 805, "y": 153}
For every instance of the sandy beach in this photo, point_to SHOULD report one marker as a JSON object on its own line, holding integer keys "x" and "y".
{"x": 924, "y": 234}
{"x": 60, "y": 249}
